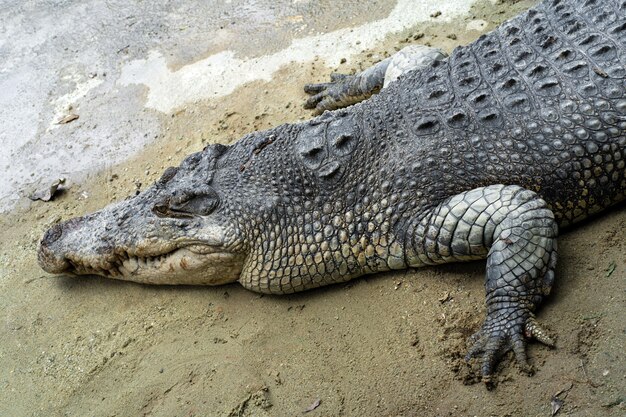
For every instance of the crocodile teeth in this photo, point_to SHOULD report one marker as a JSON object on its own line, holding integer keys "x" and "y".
{"x": 131, "y": 264}
{"x": 125, "y": 272}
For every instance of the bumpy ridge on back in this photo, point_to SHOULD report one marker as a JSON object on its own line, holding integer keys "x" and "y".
{"x": 542, "y": 96}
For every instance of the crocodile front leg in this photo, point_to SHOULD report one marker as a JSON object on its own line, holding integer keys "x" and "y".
{"x": 345, "y": 90}
{"x": 516, "y": 231}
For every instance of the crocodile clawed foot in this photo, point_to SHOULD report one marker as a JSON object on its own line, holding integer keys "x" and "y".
{"x": 505, "y": 330}
{"x": 329, "y": 96}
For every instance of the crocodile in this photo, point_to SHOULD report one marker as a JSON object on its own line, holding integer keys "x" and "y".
{"x": 483, "y": 154}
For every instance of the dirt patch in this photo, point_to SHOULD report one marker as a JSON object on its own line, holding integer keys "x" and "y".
{"x": 387, "y": 345}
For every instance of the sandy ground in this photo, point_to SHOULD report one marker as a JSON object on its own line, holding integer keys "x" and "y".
{"x": 387, "y": 345}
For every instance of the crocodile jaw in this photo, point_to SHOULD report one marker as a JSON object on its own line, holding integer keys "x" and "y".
{"x": 185, "y": 265}
{"x": 194, "y": 264}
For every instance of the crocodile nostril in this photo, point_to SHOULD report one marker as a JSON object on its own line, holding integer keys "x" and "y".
{"x": 51, "y": 259}
{"x": 52, "y": 235}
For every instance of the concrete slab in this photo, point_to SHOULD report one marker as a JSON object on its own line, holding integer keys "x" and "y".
{"x": 121, "y": 66}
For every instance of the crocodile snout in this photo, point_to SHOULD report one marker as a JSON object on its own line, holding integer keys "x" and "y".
{"x": 50, "y": 258}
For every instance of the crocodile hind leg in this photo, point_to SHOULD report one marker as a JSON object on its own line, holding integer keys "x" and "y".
{"x": 516, "y": 231}
{"x": 345, "y": 90}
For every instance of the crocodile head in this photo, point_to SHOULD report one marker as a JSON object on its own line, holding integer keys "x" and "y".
{"x": 175, "y": 232}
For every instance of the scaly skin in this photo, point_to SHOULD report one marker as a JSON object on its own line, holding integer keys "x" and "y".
{"x": 482, "y": 155}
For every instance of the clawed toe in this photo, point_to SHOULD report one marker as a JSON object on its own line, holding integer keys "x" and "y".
{"x": 316, "y": 88}
{"x": 312, "y": 102}
{"x": 343, "y": 90}
{"x": 533, "y": 330}
{"x": 496, "y": 337}
{"x": 336, "y": 76}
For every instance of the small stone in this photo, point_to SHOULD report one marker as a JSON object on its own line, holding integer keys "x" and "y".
{"x": 446, "y": 297}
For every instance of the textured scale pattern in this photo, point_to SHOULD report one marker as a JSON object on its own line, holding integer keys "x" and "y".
{"x": 539, "y": 102}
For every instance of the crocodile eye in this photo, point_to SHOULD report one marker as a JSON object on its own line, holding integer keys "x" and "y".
{"x": 198, "y": 204}
{"x": 187, "y": 204}
{"x": 160, "y": 209}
